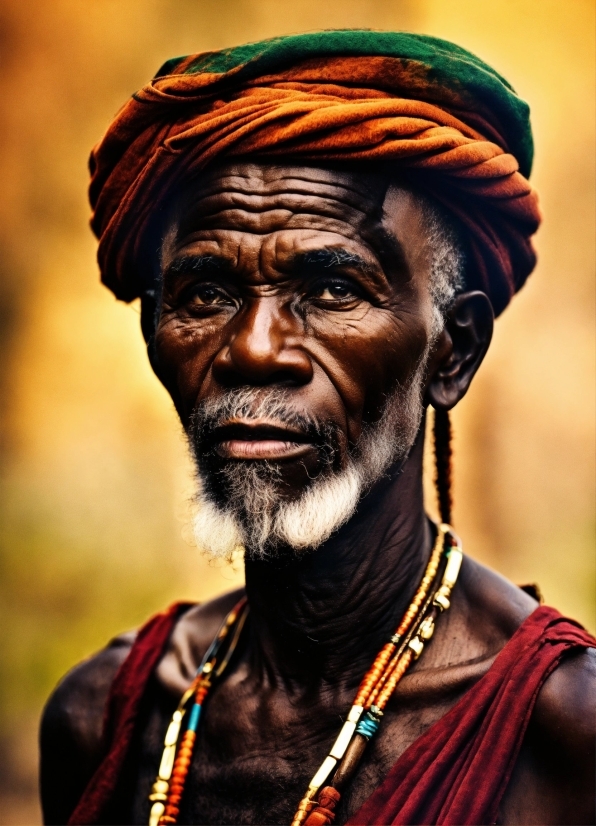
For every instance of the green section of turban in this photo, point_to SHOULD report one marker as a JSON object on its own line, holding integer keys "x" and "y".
{"x": 448, "y": 64}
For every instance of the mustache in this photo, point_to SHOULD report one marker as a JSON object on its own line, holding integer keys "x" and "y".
{"x": 272, "y": 406}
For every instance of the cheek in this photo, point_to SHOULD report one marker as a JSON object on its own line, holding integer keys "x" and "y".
{"x": 365, "y": 355}
{"x": 184, "y": 353}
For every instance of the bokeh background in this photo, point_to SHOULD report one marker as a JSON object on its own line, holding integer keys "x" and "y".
{"x": 95, "y": 480}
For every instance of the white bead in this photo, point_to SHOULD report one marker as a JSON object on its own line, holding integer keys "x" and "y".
{"x": 343, "y": 740}
{"x": 327, "y": 766}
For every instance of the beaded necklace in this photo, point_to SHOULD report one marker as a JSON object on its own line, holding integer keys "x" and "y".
{"x": 166, "y": 792}
{"x": 391, "y": 663}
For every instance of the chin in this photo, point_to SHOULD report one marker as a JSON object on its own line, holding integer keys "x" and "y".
{"x": 255, "y": 514}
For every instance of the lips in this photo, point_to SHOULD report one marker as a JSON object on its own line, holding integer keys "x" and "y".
{"x": 264, "y": 441}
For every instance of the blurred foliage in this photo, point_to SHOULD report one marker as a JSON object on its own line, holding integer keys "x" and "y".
{"x": 94, "y": 476}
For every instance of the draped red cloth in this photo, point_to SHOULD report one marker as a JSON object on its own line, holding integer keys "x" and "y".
{"x": 455, "y": 773}
{"x": 122, "y": 709}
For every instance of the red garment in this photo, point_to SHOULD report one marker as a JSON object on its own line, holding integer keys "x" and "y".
{"x": 121, "y": 712}
{"x": 456, "y": 773}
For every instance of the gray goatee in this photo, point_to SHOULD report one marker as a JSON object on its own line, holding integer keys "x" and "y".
{"x": 239, "y": 504}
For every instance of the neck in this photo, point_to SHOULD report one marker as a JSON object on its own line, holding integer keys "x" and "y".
{"x": 322, "y": 616}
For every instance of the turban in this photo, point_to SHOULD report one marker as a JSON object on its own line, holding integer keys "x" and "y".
{"x": 420, "y": 104}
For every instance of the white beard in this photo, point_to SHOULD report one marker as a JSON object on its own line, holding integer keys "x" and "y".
{"x": 255, "y": 517}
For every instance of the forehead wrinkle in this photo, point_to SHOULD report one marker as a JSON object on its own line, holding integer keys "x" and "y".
{"x": 289, "y": 230}
{"x": 286, "y": 207}
{"x": 333, "y": 211}
{"x": 275, "y": 177}
{"x": 254, "y": 191}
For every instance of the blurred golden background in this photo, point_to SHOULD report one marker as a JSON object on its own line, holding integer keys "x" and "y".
{"x": 94, "y": 474}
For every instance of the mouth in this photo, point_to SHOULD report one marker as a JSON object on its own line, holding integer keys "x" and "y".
{"x": 260, "y": 440}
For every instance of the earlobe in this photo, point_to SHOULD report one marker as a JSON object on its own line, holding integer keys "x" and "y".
{"x": 465, "y": 340}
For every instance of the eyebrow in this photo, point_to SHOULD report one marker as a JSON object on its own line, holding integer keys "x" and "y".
{"x": 196, "y": 264}
{"x": 329, "y": 258}
{"x": 325, "y": 258}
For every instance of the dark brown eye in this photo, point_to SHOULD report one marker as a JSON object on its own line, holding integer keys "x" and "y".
{"x": 208, "y": 295}
{"x": 334, "y": 291}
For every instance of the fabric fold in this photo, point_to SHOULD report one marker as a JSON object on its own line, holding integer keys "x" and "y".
{"x": 426, "y": 108}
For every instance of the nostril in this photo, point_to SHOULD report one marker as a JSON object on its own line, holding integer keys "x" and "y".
{"x": 288, "y": 368}
{"x": 263, "y": 347}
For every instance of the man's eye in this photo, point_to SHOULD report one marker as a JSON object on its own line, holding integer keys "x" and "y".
{"x": 207, "y": 295}
{"x": 333, "y": 291}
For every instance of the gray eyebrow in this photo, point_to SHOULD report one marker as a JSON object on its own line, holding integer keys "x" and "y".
{"x": 324, "y": 258}
{"x": 196, "y": 263}
{"x": 329, "y": 258}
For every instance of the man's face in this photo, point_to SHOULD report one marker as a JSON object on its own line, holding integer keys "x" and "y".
{"x": 295, "y": 284}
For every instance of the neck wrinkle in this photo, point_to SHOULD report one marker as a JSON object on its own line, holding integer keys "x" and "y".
{"x": 319, "y": 619}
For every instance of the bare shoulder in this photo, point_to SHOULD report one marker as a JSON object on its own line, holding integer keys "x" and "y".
{"x": 76, "y": 706}
{"x": 565, "y": 705}
{"x": 71, "y": 729}
{"x": 495, "y": 603}
{"x": 72, "y": 721}
{"x": 564, "y": 718}
{"x": 553, "y": 779}
{"x": 190, "y": 639}
{"x": 486, "y": 612}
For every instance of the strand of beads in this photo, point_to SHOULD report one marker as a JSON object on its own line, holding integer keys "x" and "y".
{"x": 378, "y": 685}
{"x": 371, "y": 679}
{"x": 167, "y": 791}
{"x": 184, "y": 757}
{"x": 412, "y": 649}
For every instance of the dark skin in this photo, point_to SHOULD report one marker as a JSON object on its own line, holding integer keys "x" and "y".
{"x": 317, "y": 281}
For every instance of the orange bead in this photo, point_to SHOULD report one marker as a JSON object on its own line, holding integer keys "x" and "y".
{"x": 183, "y": 760}
{"x": 394, "y": 679}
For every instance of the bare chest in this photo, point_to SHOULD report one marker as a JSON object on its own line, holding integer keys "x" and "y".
{"x": 255, "y": 756}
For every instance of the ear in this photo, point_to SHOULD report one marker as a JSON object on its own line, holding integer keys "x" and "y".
{"x": 460, "y": 349}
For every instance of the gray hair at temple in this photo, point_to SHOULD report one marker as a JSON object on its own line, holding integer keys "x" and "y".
{"x": 447, "y": 261}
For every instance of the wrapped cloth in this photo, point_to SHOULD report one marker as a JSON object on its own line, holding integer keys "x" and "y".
{"x": 424, "y": 106}
{"x": 456, "y": 772}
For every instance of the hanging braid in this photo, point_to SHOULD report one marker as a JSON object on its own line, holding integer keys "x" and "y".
{"x": 442, "y": 433}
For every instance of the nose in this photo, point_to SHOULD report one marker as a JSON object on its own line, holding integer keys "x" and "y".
{"x": 263, "y": 347}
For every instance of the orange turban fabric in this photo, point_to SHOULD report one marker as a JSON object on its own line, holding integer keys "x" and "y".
{"x": 433, "y": 110}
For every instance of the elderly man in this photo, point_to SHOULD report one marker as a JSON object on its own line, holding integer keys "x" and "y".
{"x": 321, "y": 229}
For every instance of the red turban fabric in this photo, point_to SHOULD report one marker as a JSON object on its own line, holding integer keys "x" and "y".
{"x": 433, "y": 110}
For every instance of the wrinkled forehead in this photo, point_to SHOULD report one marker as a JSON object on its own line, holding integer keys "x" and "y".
{"x": 370, "y": 207}
{"x": 345, "y": 191}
